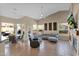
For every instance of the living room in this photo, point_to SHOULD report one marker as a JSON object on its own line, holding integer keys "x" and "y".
{"x": 47, "y": 21}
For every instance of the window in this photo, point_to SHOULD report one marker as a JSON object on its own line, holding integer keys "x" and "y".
{"x": 45, "y": 26}
{"x": 40, "y": 27}
{"x": 7, "y": 27}
{"x": 50, "y": 26}
{"x": 55, "y": 26}
{"x": 35, "y": 27}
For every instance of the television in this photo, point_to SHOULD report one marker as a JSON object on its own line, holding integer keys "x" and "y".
{"x": 71, "y": 22}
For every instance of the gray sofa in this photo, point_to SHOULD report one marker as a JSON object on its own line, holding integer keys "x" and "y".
{"x": 44, "y": 36}
{"x": 50, "y": 37}
{"x": 53, "y": 37}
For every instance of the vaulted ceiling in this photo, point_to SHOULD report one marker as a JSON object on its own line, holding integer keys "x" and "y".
{"x": 34, "y": 10}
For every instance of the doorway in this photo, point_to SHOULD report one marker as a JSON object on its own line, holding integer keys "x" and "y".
{"x": 20, "y": 31}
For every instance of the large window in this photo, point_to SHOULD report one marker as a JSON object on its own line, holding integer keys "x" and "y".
{"x": 35, "y": 27}
{"x": 63, "y": 28}
{"x": 40, "y": 27}
{"x": 7, "y": 27}
{"x": 45, "y": 26}
{"x": 55, "y": 26}
{"x": 50, "y": 26}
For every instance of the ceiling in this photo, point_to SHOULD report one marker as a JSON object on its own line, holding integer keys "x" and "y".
{"x": 34, "y": 10}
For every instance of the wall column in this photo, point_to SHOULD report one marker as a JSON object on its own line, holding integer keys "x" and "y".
{"x": 0, "y": 31}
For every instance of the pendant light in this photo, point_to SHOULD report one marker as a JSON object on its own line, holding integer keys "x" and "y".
{"x": 41, "y": 13}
